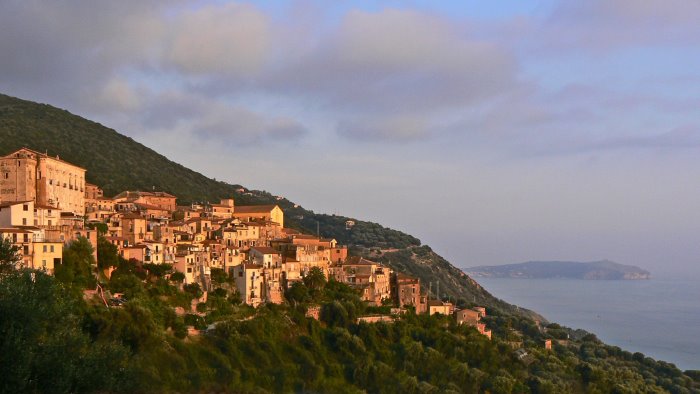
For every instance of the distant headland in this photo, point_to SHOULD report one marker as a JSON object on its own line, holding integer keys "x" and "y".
{"x": 595, "y": 270}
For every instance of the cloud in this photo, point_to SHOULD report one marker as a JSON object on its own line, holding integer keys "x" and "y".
{"x": 63, "y": 52}
{"x": 396, "y": 128}
{"x": 240, "y": 71}
{"x": 683, "y": 137}
{"x": 397, "y": 60}
{"x": 236, "y": 125}
{"x": 610, "y": 24}
{"x": 220, "y": 40}
{"x": 116, "y": 95}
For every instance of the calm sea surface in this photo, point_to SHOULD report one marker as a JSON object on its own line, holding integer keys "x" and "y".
{"x": 658, "y": 317}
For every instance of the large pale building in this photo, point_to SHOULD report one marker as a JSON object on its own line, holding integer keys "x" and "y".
{"x": 27, "y": 175}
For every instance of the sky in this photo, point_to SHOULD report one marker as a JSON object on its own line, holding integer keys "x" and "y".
{"x": 496, "y": 132}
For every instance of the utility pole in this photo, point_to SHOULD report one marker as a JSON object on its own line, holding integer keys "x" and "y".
{"x": 438, "y": 291}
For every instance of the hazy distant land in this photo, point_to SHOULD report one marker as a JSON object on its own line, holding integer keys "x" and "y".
{"x": 595, "y": 270}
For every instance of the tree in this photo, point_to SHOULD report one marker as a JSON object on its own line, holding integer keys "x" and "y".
{"x": 218, "y": 276}
{"x": 158, "y": 270}
{"x": 194, "y": 289}
{"x": 101, "y": 228}
{"x": 297, "y": 293}
{"x": 77, "y": 265}
{"x": 107, "y": 254}
{"x": 9, "y": 255}
{"x": 43, "y": 347}
{"x": 177, "y": 276}
{"x": 315, "y": 280}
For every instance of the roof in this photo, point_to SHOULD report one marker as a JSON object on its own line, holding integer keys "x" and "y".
{"x": 221, "y": 206}
{"x": 140, "y": 246}
{"x": 29, "y": 227}
{"x": 198, "y": 219}
{"x": 69, "y": 215}
{"x": 404, "y": 277}
{"x": 305, "y": 236}
{"x": 265, "y": 249}
{"x": 438, "y": 303}
{"x": 132, "y": 216}
{"x": 14, "y": 230}
{"x": 149, "y": 206}
{"x": 357, "y": 260}
{"x": 242, "y": 209}
{"x": 43, "y": 155}
{"x": 251, "y": 266}
{"x": 11, "y": 203}
{"x": 137, "y": 194}
{"x": 41, "y": 206}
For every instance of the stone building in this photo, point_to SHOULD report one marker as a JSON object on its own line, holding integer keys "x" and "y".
{"x": 406, "y": 292}
{"x": 27, "y": 175}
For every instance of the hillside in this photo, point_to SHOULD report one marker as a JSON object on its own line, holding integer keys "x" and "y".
{"x": 116, "y": 163}
{"x": 595, "y": 270}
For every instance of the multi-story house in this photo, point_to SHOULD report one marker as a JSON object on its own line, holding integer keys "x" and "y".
{"x": 27, "y": 175}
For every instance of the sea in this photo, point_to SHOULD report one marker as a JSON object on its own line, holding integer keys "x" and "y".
{"x": 657, "y": 317}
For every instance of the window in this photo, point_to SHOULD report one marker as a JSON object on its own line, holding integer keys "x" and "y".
{"x": 43, "y": 263}
{"x": 45, "y": 248}
{"x": 51, "y": 248}
{"x": 25, "y": 207}
{"x": 24, "y": 221}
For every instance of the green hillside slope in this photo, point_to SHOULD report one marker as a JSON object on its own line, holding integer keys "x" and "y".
{"x": 116, "y": 163}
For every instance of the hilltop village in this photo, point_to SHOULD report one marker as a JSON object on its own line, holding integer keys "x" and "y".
{"x": 45, "y": 204}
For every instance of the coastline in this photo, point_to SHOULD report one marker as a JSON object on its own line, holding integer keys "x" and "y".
{"x": 656, "y": 317}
